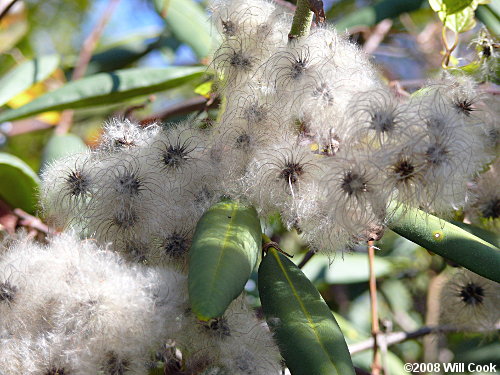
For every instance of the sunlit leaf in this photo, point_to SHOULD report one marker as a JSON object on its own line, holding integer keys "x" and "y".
{"x": 60, "y": 146}
{"x": 223, "y": 254}
{"x": 18, "y": 183}
{"x": 26, "y": 75}
{"x": 188, "y": 22}
{"x": 107, "y": 88}
{"x": 345, "y": 269}
{"x": 309, "y": 338}
{"x": 448, "y": 240}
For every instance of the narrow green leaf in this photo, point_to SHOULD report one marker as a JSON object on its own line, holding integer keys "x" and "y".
{"x": 371, "y": 15}
{"x": 106, "y": 88}
{"x": 26, "y": 75}
{"x": 492, "y": 238}
{"x": 18, "y": 183}
{"x": 448, "y": 241}
{"x": 350, "y": 268}
{"x": 188, "y": 22}
{"x": 223, "y": 254}
{"x": 308, "y": 335}
{"x": 60, "y": 146}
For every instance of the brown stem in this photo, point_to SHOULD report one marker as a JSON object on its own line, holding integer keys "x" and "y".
{"x": 7, "y": 9}
{"x": 83, "y": 61}
{"x": 306, "y": 258}
{"x": 374, "y": 309}
{"x": 31, "y": 221}
{"x": 398, "y": 337}
{"x": 448, "y": 50}
{"x": 377, "y": 36}
{"x": 198, "y": 103}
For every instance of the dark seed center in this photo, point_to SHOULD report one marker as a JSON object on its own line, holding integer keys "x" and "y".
{"x": 7, "y": 292}
{"x": 77, "y": 183}
{"x": 174, "y": 157}
{"x": 292, "y": 172}
{"x": 492, "y": 209}
{"x": 472, "y": 294}
{"x": 353, "y": 183}
{"x": 404, "y": 169}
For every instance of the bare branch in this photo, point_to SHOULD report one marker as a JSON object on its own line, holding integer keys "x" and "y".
{"x": 7, "y": 9}
{"x": 83, "y": 60}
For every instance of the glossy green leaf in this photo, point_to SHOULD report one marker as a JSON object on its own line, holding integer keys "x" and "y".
{"x": 26, "y": 75}
{"x": 345, "y": 269}
{"x": 308, "y": 335}
{"x": 490, "y": 16}
{"x": 371, "y": 15}
{"x": 18, "y": 183}
{"x": 60, "y": 146}
{"x": 492, "y": 238}
{"x": 188, "y": 22}
{"x": 106, "y": 88}
{"x": 223, "y": 254}
{"x": 457, "y": 15}
{"x": 448, "y": 240}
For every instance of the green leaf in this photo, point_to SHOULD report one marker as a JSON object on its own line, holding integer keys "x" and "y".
{"x": 18, "y": 183}
{"x": 371, "y": 15}
{"x": 461, "y": 22}
{"x": 448, "y": 241}
{"x": 348, "y": 269}
{"x": 223, "y": 254}
{"x": 492, "y": 238}
{"x": 107, "y": 88}
{"x": 26, "y": 75}
{"x": 308, "y": 335}
{"x": 61, "y": 145}
{"x": 457, "y": 15}
{"x": 188, "y": 22}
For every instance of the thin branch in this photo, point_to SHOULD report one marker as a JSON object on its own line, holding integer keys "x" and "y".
{"x": 31, "y": 221}
{"x": 399, "y": 337}
{"x": 302, "y": 20}
{"x": 7, "y": 9}
{"x": 377, "y": 36}
{"x": 130, "y": 110}
{"x": 374, "y": 309}
{"x": 198, "y": 103}
{"x": 83, "y": 60}
{"x": 306, "y": 258}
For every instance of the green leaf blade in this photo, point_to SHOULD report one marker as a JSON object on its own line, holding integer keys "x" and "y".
{"x": 223, "y": 254}
{"x": 107, "y": 88}
{"x": 188, "y": 22}
{"x": 448, "y": 241}
{"x": 310, "y": 339}
{"x": 26, "y": 75}
{"x": 60, "y": 146}
{"x": 18, "y": 183}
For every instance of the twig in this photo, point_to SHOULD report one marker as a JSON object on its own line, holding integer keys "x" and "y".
{"x": 302, "y": 20}
{"x": 128, "y": 112}
{"x": 83, "y": 61}
{"x": 374, "y": 309}
{"x": 398, "y": 337}
{"x": 430, "y": 343}
{"x": 7, "y": 9}
{"x": 306, "y": 258}
{"x": 30, "y": 221}
{"x": 448, "y": 49}
{"x": 377, "y": 36}
{"x": 198, "y": 103}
